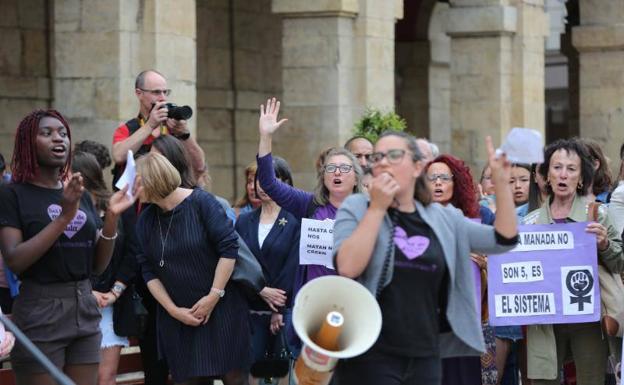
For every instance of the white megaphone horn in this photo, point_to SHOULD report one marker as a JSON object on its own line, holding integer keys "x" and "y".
{"x": 335, "y": 317}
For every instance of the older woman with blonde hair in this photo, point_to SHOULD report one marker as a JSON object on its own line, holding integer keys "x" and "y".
{"x": 189, "y": 248}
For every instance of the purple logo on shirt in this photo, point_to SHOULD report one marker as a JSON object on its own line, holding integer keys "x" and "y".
{"x": 74, "y": 226}
{"x": 412, "y": 247}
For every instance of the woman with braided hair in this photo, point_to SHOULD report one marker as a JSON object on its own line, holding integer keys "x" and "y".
{"x": 52, "y": 237}
{"x": 416, "y": 265}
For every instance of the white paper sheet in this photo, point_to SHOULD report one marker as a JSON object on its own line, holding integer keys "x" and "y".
{"x": 128, "y": 176}
{"x": 316, "y": 242}
{"x": 523, "y": 145}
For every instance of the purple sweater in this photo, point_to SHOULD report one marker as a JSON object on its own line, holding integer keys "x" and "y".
{"x": 297, "y": 202}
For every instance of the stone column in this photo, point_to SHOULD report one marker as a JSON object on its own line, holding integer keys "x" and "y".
{"x": 337, "y": 59}
{"x": 528, "y": 86}
{"x": 440, "y": 79}
{"x": 99, "y": 48}
{"x": 481, "y": 75}
{"x": 497, "y": 72}
{"x": 238, "y": 68}
{"x": 599, "y": 40}
{"x": 24, "y": 65}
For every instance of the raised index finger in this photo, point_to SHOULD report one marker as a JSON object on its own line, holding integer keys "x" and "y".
{"x": 489, "y": 146}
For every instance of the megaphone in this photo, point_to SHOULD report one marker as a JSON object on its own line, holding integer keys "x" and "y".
{"x": 335, "y": 317}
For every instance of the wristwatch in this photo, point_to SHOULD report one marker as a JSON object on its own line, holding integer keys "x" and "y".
{"x": 219, "y": 292}
{"x": 117, "y": 289}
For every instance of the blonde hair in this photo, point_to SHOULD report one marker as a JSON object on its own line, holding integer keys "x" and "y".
{"x": 158, "y": 176}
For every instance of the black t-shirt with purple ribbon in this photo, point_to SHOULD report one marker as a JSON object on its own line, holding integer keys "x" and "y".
{"x": 30, "y": 208}
{"x": 413, "y": 305}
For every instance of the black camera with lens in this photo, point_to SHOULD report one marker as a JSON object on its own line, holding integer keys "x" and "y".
{"x": 178, "y": 112}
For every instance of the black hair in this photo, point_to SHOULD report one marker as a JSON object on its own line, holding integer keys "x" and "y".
{"x": 575, "y": 146}
{"x": 100, "y": 151}
{"x": 2, "y": 163}
{"x": 172, "y": 149}
{"x": 87, "y": 165}
{"x": 282, "y": 172}
{"x": 535, "y": 195}
{"x": 522, "y": 165}
{"x": 602, "y": 179}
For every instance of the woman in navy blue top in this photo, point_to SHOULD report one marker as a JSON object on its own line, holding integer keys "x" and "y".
{"x": 189, "y": 248}
{"x": 272, "y": 235}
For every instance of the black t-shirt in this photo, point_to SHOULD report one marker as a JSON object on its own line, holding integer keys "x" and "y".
{"x": 30, "y": 208}
{"x": 413, "y": 305}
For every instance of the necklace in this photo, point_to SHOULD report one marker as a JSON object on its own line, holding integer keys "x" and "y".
{"x": 163, "y": 242}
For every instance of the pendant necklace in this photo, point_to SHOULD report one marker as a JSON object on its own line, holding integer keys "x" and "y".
{"x": 163, "y": 242}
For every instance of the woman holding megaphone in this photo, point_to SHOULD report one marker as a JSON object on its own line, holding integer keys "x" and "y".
{"x": 416, "y": 265}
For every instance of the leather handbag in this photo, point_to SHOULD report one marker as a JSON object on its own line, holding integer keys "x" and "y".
{"x": 611, "y": 291}
{"x": 247, "y": 270}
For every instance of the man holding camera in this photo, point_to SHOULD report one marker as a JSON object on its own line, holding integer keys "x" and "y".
{"x": 153, "y": 120}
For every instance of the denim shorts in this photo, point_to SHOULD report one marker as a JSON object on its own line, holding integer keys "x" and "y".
{"x": 513, "y": 333}
{"x": 109, "y": 338}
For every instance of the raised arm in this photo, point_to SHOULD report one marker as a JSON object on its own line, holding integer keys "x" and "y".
{"x": 268, "y": 124}
{"x": 506, "y": 223}
{"x": 292, "y": 199}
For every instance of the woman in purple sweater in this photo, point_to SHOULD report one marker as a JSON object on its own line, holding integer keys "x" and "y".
{"x": 338, "y": 176}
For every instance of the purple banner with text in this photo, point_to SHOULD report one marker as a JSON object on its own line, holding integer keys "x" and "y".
{"x": 551, "y": 277}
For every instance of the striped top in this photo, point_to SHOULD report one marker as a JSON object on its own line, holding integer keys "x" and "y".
{"x": 200, "y": 233}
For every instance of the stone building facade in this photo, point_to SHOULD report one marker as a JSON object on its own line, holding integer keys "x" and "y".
{"x": 456, "y": 70}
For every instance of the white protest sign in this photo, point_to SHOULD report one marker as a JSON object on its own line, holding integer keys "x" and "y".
{"x": 128, "y": 176}
{"x": 515, "y": 272}
{"x": 526, "y": 304}
{"x": 317, "y": 242}
{"x": 545, "y": 240}
{"x": 523, "y": 145}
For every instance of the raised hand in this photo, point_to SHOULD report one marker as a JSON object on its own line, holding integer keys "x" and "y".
{"x": 268, "y": 124}
{"x": 72, "y": 192}
{"x": 500, "y": 166}
{"x": 120, "y": 201}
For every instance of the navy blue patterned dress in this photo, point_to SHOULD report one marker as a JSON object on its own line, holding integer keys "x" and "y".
{"x": 200, "y": 233}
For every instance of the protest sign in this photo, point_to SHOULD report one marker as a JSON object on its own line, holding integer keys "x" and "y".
{"x": 317, "y": 242}
{"x": 550, "y": 277}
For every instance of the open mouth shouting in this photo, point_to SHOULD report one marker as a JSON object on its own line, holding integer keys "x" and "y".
{"x": 59, "y": 151}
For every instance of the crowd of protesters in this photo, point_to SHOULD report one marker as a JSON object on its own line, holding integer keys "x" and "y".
{"x": 87, "y": 267}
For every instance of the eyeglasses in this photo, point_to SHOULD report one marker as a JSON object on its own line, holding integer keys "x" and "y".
{"x": 331, "y": 168}
{"x": 445, "y": 178}
{"x": 165, "y": 92}
{"x": 393, "y": 156}
{"x": 365, "y": 156}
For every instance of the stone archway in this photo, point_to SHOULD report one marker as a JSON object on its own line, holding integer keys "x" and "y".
{"x": 413, "y": 57}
